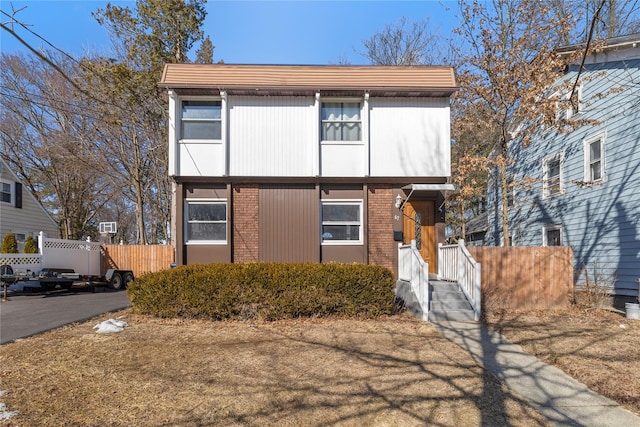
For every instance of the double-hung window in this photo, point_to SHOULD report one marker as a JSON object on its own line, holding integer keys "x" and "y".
{"x": 201, "y": 120}
{"x": 206, "y": 221}
{"x": 341, "y": 222}
{"x": 5, "y": 192}
{"x": 552, "y": 168}
{"x": 341, "y": 121}
{"x": 594, "y": 159}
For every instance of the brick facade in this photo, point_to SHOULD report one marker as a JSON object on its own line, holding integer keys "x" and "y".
{"x": 245, "y": 223}
{"x": 382, "y": 248}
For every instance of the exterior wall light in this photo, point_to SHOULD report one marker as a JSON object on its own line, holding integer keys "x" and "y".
{"x": 398, "y": 201}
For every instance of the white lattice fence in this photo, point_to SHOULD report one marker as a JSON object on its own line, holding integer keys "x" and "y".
{"x": 22, "y": 263}
{"x": 82, "y": 256}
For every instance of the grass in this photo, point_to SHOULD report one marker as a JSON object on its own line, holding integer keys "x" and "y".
{"x": 394, "y": 371}
{"x": 599, "y": 348}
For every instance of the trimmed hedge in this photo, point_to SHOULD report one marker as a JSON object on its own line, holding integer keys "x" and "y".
{"x": 266, "y": 291}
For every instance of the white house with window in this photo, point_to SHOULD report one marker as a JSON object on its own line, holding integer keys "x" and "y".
{"x": 20, "y": 212}
{"x": 305, "y": 163}
{"x": 586, "y": 182}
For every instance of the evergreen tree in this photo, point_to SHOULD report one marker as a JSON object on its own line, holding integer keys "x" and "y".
{"x": 9, "y": 244}
{"x": 30, "y": 246}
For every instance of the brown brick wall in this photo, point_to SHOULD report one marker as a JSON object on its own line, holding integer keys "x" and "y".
{"x": 245, "y": 223}
{"x": 380, "y": 227}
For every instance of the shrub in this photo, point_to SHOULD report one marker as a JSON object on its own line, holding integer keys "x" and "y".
{"x": 267, "y": 291}
{"x": 9, "y": 244}
{"x": 30, "y": 246}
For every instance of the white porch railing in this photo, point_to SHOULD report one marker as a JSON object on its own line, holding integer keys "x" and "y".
{"x": 456, "y": 264}
{"x": 413, "y": 269}
{"x": 80, "y": 255}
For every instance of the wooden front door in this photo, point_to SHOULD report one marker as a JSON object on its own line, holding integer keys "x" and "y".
{"x": 419, "y": 225}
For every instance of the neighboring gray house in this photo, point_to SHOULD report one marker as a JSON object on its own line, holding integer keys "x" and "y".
{"x": 20, "y": 212}
{"x": 584, "y": 190}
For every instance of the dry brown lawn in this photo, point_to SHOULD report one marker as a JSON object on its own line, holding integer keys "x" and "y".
{"x": 394, "y": 371}
{"x": 597, "y": 347}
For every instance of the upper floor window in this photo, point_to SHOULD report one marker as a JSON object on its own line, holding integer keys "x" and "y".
{"x": 594, "y": 159}
{"x": 341, "y": 121}
{"x": 201, "y": 120}
{"x": 341, "y": 221}
{"x": 552, "y": 168}
{"x": 5, "y": 192}
{"x": 206, "y": 221}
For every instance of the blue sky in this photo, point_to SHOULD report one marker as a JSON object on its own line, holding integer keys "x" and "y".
{"x": 244, "y": 32}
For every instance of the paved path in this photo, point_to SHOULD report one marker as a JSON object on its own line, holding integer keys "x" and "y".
{"x": 26, "y": 315}
{"x": 561, "y": 399}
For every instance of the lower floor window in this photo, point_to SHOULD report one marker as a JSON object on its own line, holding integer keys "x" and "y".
{"x": 552, "y": 235}
{"x": 342, "y": 221}
{"x": 206, "y": 221}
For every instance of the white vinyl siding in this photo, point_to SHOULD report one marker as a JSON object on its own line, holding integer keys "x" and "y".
{"x": 281, "y": 136}
{"x": 410, "y": 137}
{"x": 31, "y": 218}
{"x": 273, "y": 136}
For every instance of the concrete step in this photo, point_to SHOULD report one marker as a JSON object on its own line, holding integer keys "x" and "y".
{"x": 454, "y": 315}
{"x": 448, "y": 296}
{"x": 441, "y": 305}
{"x": 443, "y": 286}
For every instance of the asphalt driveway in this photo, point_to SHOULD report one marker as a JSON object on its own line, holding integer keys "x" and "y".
{"x": 26, "y": 315}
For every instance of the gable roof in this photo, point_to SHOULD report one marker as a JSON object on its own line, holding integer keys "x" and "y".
{"x": 308, "y": 79}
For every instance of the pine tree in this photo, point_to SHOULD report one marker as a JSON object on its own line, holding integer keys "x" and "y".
{"x": 30, "y": 246}
{"x": 9, "y": 244}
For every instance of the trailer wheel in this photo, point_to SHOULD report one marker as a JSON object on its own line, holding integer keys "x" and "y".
{"x": 115, "y": 282}
{"x": 128, "y": 278}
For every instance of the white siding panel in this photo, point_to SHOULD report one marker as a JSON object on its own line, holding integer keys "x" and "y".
{"x": 201, "y": 159}
{"x": 30, "y": 219}
{"x": 272, "y": 136}
{"x": 342, "y": 160}
{"x": 410, "y": 137}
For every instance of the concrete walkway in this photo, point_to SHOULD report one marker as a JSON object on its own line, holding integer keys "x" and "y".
{"x": 561, "y": 399}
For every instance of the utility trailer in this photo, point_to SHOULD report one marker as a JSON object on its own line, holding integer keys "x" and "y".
{"x": 52, "y": 279}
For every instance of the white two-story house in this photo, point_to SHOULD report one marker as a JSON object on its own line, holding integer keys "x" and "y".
{"x": 307, "y": 163}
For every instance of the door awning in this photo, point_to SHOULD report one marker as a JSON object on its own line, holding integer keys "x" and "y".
{"x": 425, "y": 187}
{"x": 429, "y": 187}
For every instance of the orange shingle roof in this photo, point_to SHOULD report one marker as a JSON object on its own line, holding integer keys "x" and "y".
{"x": 407, "y": 79}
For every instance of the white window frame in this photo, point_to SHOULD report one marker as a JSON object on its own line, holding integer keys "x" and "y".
{"x": 360, "y": 122}
{"x": 570, "y": 111}
{"x": 11, "y": 191}
{"x": 552, "y": 227}
{"x": 186, "y": 221}
{"x": 359, "y": 223}
{"x": 180, "y": 120}
{"x": 588, "y": 161}
{"x": 559, "y": 157}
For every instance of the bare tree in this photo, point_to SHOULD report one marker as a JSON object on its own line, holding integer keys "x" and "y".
{"x": 48, "y": 136}
{"x": 404, "y": 43}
